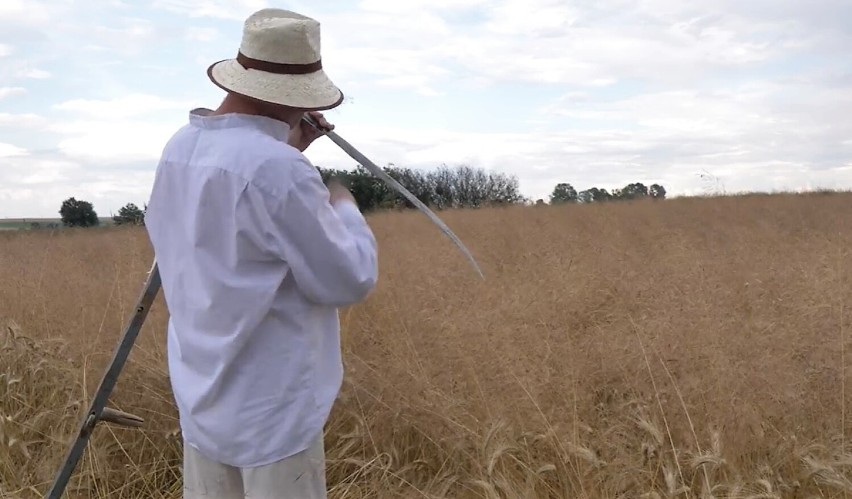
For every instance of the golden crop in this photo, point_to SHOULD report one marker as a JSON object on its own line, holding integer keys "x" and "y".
{"x": 675, "y": 349}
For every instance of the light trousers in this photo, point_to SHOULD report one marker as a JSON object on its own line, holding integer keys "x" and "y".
{"x": 301, "y": 476}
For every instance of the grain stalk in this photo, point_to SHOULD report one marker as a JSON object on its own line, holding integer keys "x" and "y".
{"x": 659, "y": 402}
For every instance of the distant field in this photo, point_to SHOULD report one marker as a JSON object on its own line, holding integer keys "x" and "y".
{"x": 27, "y": 223}
{"x": 686, "y": 348}
{"x": 15, "y": 225}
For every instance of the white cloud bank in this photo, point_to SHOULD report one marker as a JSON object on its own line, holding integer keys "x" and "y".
{"x": 757, "y": 94}
{"x": 11, "y": 91}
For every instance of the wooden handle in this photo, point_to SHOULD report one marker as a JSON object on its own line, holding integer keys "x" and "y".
{"x": 121, "y": 418}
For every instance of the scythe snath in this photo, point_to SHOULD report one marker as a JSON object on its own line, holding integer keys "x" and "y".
{"x": 97, "y": 410}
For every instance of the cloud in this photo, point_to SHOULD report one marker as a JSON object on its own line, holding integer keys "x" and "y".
{"x": 25, "y": 120}
{"x": 535, "y": 41}
{"x": 596, "y": 94}
{"x": 8, "y": 151}
{"x": 199, "y": 34}
{"x": 222, "y": 9}
{"x": 124, "y": 36}
{"x": 35, "y": 185}
{"x": 661, "y": 90}
{"x": 28, "y": 12}
{"x": 33, "y": 73}
{"x": 11, "y": 91}
{"x": 35, "y": 171}
{"x": 773, "y": 134}
{"x": 122, "y": 107}
{"x": 125, "y": 129}
{"x": 591, "y": 159}
{"x": 19, "y": 69}
{"x": 404, "y": 7}
{"x": 112, "y": 141}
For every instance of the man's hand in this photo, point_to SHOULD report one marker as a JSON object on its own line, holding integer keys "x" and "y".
{"x": 338, "y": 192}
{"x": 304, "y": 134}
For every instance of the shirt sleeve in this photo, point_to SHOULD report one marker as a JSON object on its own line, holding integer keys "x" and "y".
{"x": 330, "y": 248}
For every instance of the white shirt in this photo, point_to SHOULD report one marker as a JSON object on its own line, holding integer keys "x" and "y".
{"x": 254, "y": 262}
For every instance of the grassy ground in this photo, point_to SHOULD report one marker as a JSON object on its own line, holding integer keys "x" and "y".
{"x": 689, "y": 348}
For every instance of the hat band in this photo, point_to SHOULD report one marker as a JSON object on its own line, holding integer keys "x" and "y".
{"x": 276, "y": 67}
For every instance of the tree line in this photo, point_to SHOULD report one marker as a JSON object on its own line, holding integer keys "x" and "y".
{"x": 565, "y": 193}
{"x": 81, "y": 213}
{"x": 441, "y": 188}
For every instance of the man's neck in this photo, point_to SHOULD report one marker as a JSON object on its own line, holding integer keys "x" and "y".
{"x": 235, "y": 104}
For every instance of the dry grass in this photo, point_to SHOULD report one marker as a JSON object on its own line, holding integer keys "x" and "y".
{"x": 691, "y": 348}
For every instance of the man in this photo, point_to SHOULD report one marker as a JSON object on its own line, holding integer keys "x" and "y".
{"x": 256, "y": 255}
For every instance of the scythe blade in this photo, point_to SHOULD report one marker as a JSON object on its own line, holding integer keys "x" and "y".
{"x": 390, "y": 181}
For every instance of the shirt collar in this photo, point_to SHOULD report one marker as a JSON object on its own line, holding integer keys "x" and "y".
{"x": 203, "y": 118}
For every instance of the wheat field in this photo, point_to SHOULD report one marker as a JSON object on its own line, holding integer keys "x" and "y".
{"x": 687, "y": 348}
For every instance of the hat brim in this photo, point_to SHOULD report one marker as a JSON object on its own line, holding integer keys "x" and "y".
{"x": 311, "y": 92}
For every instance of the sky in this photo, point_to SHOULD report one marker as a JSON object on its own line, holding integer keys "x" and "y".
{"x": 701, "y": 96}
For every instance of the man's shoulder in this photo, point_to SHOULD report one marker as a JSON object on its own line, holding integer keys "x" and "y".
{"x": 179, "y": 143}
{"x": 264, "y": 161}
{"x": 280, "y": 166}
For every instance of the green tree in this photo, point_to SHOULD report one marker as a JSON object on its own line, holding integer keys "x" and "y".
{"x": 635, "y": 190}
{"x": 415, "y": 181}
{"x": 467, "y": 187}
{"x": 129, "y": 214}
{"x": 563, "y": 193}
{"x": 657, "y": 191}
{"x": 461, "y": 187}
{"x": 595, "y": 195}
{"x": 78, "y": 213}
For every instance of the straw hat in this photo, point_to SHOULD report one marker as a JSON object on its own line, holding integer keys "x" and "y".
{"x": 279, "y": 63}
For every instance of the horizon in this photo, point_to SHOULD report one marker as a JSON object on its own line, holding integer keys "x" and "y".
{"x": 652, "y": 91}
{"x": 528, "y": 203}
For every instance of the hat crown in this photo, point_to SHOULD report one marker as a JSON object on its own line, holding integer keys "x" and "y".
{"x": 278, "y": 63}
{"x": 281, "y": 36}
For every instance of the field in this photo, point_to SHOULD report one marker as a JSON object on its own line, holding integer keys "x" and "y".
{"x": 25, "y": 223}
{"x": 685, "y": 348}
{"x": 31, "y": 223}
